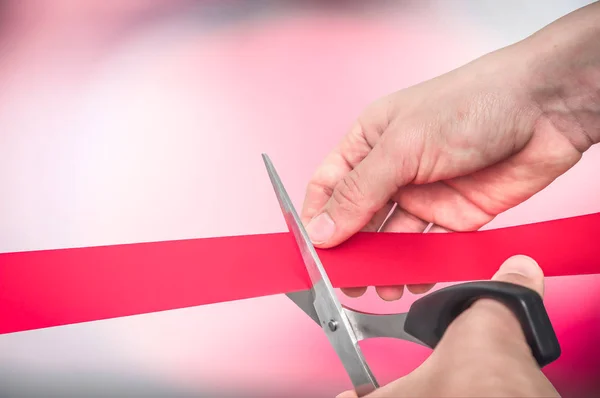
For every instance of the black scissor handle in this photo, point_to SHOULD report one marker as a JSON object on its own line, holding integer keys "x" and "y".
{"x": 430, "y": 316}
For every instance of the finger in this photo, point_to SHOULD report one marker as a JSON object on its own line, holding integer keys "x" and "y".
{"x": 372, "y": 226}
{"x": 489, "y": 328}
{"x": 399, "y": 221}
{"x": 522, "y": 270}
{"x": 347, "y": 394}
{"x": 490, "y": 322}
{"x": 444, "y": 205}
{"x": 424, "y": 288}
{"x": 355, "y": 199}
{"x": 354, "y": 292}
{"x": 420, "y": 288}
{"x": 336, "y": 165}
{"x": 496, "y": 317}
{"x": 390, "y": 293}
{"x": 351, "y": 150}
{"x": 437, "y": 229}
{"x": 378, "y": 221}
{"x": 402, "y": 221}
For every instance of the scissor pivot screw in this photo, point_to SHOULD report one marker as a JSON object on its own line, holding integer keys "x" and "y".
{"x": 332, "y": 325}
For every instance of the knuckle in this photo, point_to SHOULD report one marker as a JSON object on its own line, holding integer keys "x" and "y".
{"x": 404, "y": 150}
{"x": 344, "y": 199}
{"x": 349, "y": 196}
{"x": 317, "y": 187}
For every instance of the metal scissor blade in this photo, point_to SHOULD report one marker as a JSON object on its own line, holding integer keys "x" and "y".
{"x": 315, "y": 269}
{"x": 331, "y": 316}
{"x": 321, "y": 286}
{"x": 365, "y": 325}
{"x": 304, "y": 299}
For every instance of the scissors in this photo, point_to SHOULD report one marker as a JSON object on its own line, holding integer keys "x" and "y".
{"x": 424, "y": 323}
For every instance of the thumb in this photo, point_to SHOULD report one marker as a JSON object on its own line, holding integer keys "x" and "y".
{"x": 347, "y": 394}
{"x": 522, "y": 270}
{"x": 355, "y": 199}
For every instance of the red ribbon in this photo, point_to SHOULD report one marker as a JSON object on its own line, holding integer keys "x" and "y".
{"x": 48, "y": 288}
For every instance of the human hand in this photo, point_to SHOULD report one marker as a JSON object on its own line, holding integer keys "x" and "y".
{"x": 483, "y": 352}
{"x": 460, "y": 149}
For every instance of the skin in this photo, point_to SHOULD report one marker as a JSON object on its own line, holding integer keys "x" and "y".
{"x": 454, "y": 152}
{"x": 460, "y": 149}
{"x": 486, "y": 349}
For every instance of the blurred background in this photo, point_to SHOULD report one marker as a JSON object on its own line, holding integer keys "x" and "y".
{"x": 142, "y": 120}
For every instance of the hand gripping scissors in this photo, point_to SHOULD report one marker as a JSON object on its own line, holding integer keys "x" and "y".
{"x": 424, "y": 323}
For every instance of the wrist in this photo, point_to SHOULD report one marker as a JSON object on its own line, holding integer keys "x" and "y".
{"x": 562, "y": 69}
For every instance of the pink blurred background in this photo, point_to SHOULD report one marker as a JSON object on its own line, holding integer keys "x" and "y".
{"x": 131, "y": 120}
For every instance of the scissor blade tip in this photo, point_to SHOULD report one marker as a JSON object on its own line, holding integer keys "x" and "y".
{"x": 267, "y": 161}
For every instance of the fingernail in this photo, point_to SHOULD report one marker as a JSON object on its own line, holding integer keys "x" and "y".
{"x": 522, "y": 265}
{"x": 320, "y": 228}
